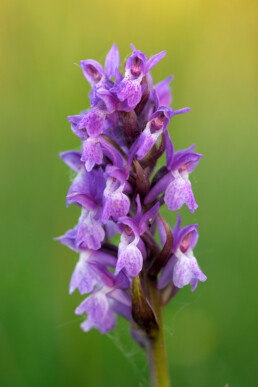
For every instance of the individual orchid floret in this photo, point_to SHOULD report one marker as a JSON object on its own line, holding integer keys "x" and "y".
{"x": 93, "y": 71}
{"x": 155, "y": 127}
{"x": 103, "y": 104}
{"x": 87, "y": 192}
{"x": 116, "y": 202}
{"x": 129, "y": 91}
{"x": 87, "y": 189}
{"x": 157, "y": 124}
{"x": 94, "y": 149}
{"x": 82, "y": 192}
{"x": 131, "y": 249}
{"x": 179, "y": 190}
{"x": 175, "y": 183}
{"x": 129, "y": 255}
{"x": 87, "y": 234}
{"x": 135, "y": 65}
{"x": 183, "y": 268}
{"x": 102, "y": 305}
{"x": 70, "y": 239}
{"x": 100, "y": 315}
{"x": 90, "y": 270}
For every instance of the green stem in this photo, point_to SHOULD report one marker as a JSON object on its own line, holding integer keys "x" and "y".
{"x": 158, "y": 367}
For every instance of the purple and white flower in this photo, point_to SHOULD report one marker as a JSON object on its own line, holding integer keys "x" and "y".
{"x": 131, "y": 249}
{"x": 129, "y": 90}
{"x": 103, "y": 304}
{"x": 182, "y": 268}
{"x": 94, "y": 72}
{"x": 123, "y": 135}
{"x": 175, "y": 183}
{"x": 90, "y": 269}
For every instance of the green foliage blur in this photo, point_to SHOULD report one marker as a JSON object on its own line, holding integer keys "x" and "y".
{"x": 211, "y": 51}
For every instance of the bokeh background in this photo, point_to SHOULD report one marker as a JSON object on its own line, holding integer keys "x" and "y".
{"x": 212, "y": 53}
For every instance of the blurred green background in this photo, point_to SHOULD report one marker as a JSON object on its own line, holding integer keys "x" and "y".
{"x": 212, "y": 53}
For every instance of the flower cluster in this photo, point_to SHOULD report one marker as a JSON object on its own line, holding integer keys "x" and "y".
{"x": 119, "y": 190}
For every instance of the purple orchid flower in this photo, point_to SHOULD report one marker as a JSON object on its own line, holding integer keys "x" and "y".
{"x": 116, "y": 202}
{"x": 101, "y": 307}
{"x": 131, "y": 249}
{"x": 87, "y": 189}
{"x": 103, "y": 103}
{"x": 94, "y": 149}
{"x": 93, "y": 71}
{"x": 81, "y": 192}
{"x": 182, "y": 268}
{"x": 176, "y": 183}
{"x": 89, "y": 270}
{"x": 91, "y": 267}
{"x": 179, "y": 190}
{"x": 157, "y": 124}
{"x": 90, "y": 231}
{"x": 129, "y": 90}
{"x": 118, "y": 191}
{"x": 92, "y": 153}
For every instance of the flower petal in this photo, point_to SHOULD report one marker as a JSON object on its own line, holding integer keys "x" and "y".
{"x": 130, "y": 91}
{"x": 187, "y": 271}
{"x": 75, "y": 120}
{"x": 131, "y": 260}
{"x": 100, "y": 315}
{"x": 179, "y": 192}
{"x": 90, "y": 232}
{"x": 146, "y": 142}
{"x": 93, "y": 122}
{"x": 92, "y": 153}
{"x": 68, "y": 239}
{"x": 154, "y": 60}
{"x": 112, "y": 62}
{"x": 72, "y": 159}
{"x": 116, "y": 203}
{"x": 83, "y": 277}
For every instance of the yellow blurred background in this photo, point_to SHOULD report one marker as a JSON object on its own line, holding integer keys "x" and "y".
{"x": 212, "y": 51}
